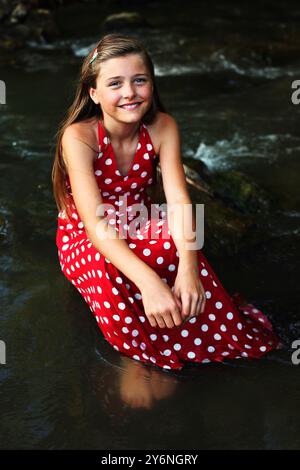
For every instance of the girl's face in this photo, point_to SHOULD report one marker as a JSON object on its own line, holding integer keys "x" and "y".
{"x": 123, "y": 80}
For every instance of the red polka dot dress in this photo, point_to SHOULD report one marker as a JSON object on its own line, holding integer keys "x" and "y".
{"x": 225, "y": 330}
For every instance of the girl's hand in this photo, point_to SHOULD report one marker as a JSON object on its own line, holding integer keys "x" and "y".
{"x": 189, "y": 290}
{"x": 161, "y": 306}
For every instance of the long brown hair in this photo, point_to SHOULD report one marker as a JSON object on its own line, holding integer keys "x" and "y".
{"x": 83, "y": 107}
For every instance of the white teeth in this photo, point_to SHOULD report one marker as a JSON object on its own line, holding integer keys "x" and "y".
{"x": 131, "y": 106}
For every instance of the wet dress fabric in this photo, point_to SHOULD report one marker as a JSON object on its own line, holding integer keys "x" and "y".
{"x": 227, "y": 329}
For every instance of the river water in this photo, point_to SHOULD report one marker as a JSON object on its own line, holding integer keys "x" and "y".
{"x": 225, "y": 73}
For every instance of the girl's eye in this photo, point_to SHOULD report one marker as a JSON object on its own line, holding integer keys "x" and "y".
{"x": 114, "y": 83}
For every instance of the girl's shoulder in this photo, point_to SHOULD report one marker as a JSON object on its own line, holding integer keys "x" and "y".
{"x": 86, "y": 131}
{"x": 156, "y": 128}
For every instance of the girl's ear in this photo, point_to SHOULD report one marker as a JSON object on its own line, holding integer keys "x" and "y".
{"x": 92, "y": 93}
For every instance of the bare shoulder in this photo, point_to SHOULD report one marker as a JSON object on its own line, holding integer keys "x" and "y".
{"x": 163, "y": 125}
{"x": 84, "y": 131}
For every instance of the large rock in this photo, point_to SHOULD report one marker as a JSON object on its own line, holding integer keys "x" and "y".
{"x": 239, "y": 191}
{"x": 124, "y": 19}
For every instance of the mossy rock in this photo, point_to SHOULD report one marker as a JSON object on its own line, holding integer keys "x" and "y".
{"x": 239, "y": 191}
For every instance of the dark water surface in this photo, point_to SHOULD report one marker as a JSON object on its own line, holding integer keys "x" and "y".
{"x": 225, "y": 74}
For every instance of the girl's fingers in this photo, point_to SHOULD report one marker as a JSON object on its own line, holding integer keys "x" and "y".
{"x": 186, "y": 306}
{"x": 159, "y": 319}
{"x": 194, "y": 307}
{"x": 203, "y": 304}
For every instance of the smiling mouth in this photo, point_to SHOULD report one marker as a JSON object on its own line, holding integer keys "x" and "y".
{"x": 130, "y": 106}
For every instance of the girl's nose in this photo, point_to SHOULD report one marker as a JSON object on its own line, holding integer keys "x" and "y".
{"x": 128, "y": 91}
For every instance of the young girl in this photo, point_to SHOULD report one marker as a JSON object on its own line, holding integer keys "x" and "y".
{"x": 155, "y": 300}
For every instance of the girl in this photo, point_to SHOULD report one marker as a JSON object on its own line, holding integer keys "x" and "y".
{"x": 155, "y": 300}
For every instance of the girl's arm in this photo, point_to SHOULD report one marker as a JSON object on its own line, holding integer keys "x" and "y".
{"x": 79, "y": 159}
{"x": 181, "y": 220}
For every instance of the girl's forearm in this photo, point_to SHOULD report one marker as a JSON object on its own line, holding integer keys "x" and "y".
{"x": 107, "y": 240}
{"x": 182, "y": 225}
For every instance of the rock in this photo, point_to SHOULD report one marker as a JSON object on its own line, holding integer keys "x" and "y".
{"x": 198, "y": 165}
{"x": 42, "y": 25}
{"x": 3, "y": 14}
{"x": 194, "y": 179}
{"x": 226, "y": 230}
{"x": 124, "y": 19}
{"x": 9, "y": 43}
{"x": 238, "y": 191}
{"x": 19, "y": 13}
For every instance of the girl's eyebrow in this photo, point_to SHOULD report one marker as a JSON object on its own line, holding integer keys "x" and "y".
{"x": 120, "y": 76}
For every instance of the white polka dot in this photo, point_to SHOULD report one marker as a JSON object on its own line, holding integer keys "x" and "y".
{"x": 263, "y": 348}
{"x": 197, "y": 341}
{"x": 217, "y": 337}
{"x": 212, "y": 317}
{"x": 167, "y": 352}
{"x": 106, "y": 304}
{"x": 211, "y": 349}
{"x": 116, "y": 317}
{"x": 219, "y": 305}
{"x": 128, "y": 320}
{"x": 135, "y": 333}
{"x": 191, "y": 355}
{"x": 160, "y": 260}
{"x": 184, "y": 333}
{"x": 177, "y": 347}
{"x": 121, "y": 305}
{"x": 146, "y": 252}
{"x": 204, "y": 272}
{"x": 153, "y": 337}
{"x": 171, "y": 267}
{"x": 132, "y": 245}
{"x": 167, "y": 245}
{"x": 223, "y": 328}
{"x": 229, "y": 315}
{"x": 208, "y": 294}
{"x": 204, "y": 327}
